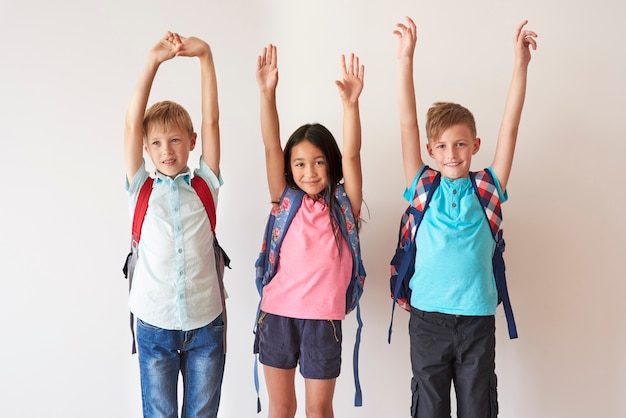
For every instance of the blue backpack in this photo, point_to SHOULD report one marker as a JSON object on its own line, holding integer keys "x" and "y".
{"x": 403, "y": 261}
{"x": 267, "y": 263}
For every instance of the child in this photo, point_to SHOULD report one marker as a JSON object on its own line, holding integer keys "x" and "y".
{"x": 315, "y": 264}
{"x": 175, "y": 293}
{"x": 453, "y": 299}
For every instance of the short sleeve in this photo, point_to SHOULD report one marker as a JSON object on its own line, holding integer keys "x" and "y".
{"x": 504, "y": 196}
{"x": 410, "y": 192}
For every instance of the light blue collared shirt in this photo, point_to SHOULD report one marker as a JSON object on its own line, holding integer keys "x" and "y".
{"x": 175, "y": 282}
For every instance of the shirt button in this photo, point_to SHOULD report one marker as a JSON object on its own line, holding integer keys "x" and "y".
{"x": 176, "y": 209}
{"x": 180, "y": 250}
{"x": 454, "y": 191}
{"x": 454, "y": 205}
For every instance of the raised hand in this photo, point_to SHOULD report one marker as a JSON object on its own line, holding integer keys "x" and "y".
{"x": 167, "y": 48}
{"x": 193, "y": 47}
{"x": 523, "y": 41}
{"x": 351, "y": 85}
{"x": 407, "y": 38}
{"x": 266, "y": 69}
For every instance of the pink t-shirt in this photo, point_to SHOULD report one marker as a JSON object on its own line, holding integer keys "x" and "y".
{"x": 312, "y": 278}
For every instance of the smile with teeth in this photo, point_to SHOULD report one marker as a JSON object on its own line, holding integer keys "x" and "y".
{"x": 169, "y": 162}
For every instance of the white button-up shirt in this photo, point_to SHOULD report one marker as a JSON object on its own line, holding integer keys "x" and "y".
{"x": 175, "y": 283}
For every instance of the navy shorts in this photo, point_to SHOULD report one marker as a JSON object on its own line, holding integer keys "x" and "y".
{"x": 283, "y": 342}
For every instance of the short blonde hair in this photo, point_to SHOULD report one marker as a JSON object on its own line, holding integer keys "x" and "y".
{"x": 443, "y": 115}
{"x": 166, "y": 114}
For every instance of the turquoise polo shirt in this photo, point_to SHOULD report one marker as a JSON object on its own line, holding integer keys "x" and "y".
{"x": 453, "y": 270}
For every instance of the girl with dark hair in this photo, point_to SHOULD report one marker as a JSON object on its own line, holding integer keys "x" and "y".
{"x": 303, "y": 305}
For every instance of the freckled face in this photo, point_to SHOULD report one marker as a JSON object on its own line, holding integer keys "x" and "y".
{"x": 453, "y": 151}
{"x": 308, "y": 167}
{"x": 169, "y": 151}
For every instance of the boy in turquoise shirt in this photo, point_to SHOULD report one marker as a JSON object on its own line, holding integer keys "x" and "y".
{"x": 454, "y": 297}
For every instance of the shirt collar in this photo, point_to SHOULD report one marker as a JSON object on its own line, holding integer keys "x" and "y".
{"x": 184, "y": 176}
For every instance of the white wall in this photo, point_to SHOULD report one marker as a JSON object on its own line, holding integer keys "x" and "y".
{"x": 67, "y": 70}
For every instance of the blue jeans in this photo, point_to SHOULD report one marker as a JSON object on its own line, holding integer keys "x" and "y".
{"x": 197, "y": 354}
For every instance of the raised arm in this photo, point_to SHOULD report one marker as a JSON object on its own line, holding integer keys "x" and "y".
{"x": 350, "y": 87}
{"x": 267, "y": 78}
{"x": 507, "y": 136}
{"x": 164, "y": 50}
{"x": 194, "y": 47}
{"x": 409, "y": 129}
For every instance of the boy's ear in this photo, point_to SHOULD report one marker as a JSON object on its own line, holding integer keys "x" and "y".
{"x": 476, "y": 146}
{"x": 429, "y": 149}
{"x": 193, "y": 138}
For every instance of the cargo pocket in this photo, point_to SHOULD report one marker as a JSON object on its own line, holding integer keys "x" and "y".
{"x": 414, "y": 398}
{"x": 493, "y": 397}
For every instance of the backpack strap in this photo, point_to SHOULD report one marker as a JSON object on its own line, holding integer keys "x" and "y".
{"x": 277, "y": 224}
{"x": 487, "y": 191}
{"x": 221, "y": 258}
{"x": 348, "y": 225}
{"x": 403, "y": 262}
{"x": 205, "y": 195}
{"x": 141, "y": 207}
{"x": 485, "y": 187}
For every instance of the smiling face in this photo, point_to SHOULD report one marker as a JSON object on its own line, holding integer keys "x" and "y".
{"x": 169, "y": 149}
{"x": 453, "y": 151}
{"x": 308, "y": 167}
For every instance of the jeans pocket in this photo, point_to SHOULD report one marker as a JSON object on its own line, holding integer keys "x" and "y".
{"x": 218, "y": 323}
{"x": 147, "y": 326}
{"x": 493, "y": 396}
{"x": 414, "y": 397}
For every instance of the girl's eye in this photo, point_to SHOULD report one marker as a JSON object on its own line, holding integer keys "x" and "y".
{"x": 320, "y": 162}
{"x": 175, "y": 140}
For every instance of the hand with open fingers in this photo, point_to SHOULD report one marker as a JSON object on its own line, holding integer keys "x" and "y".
{"x": 407, "y": 38}
{"x": 351, "y": 85}
{"x": 266, "y": 69}
{"x": 524, "y": 40}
